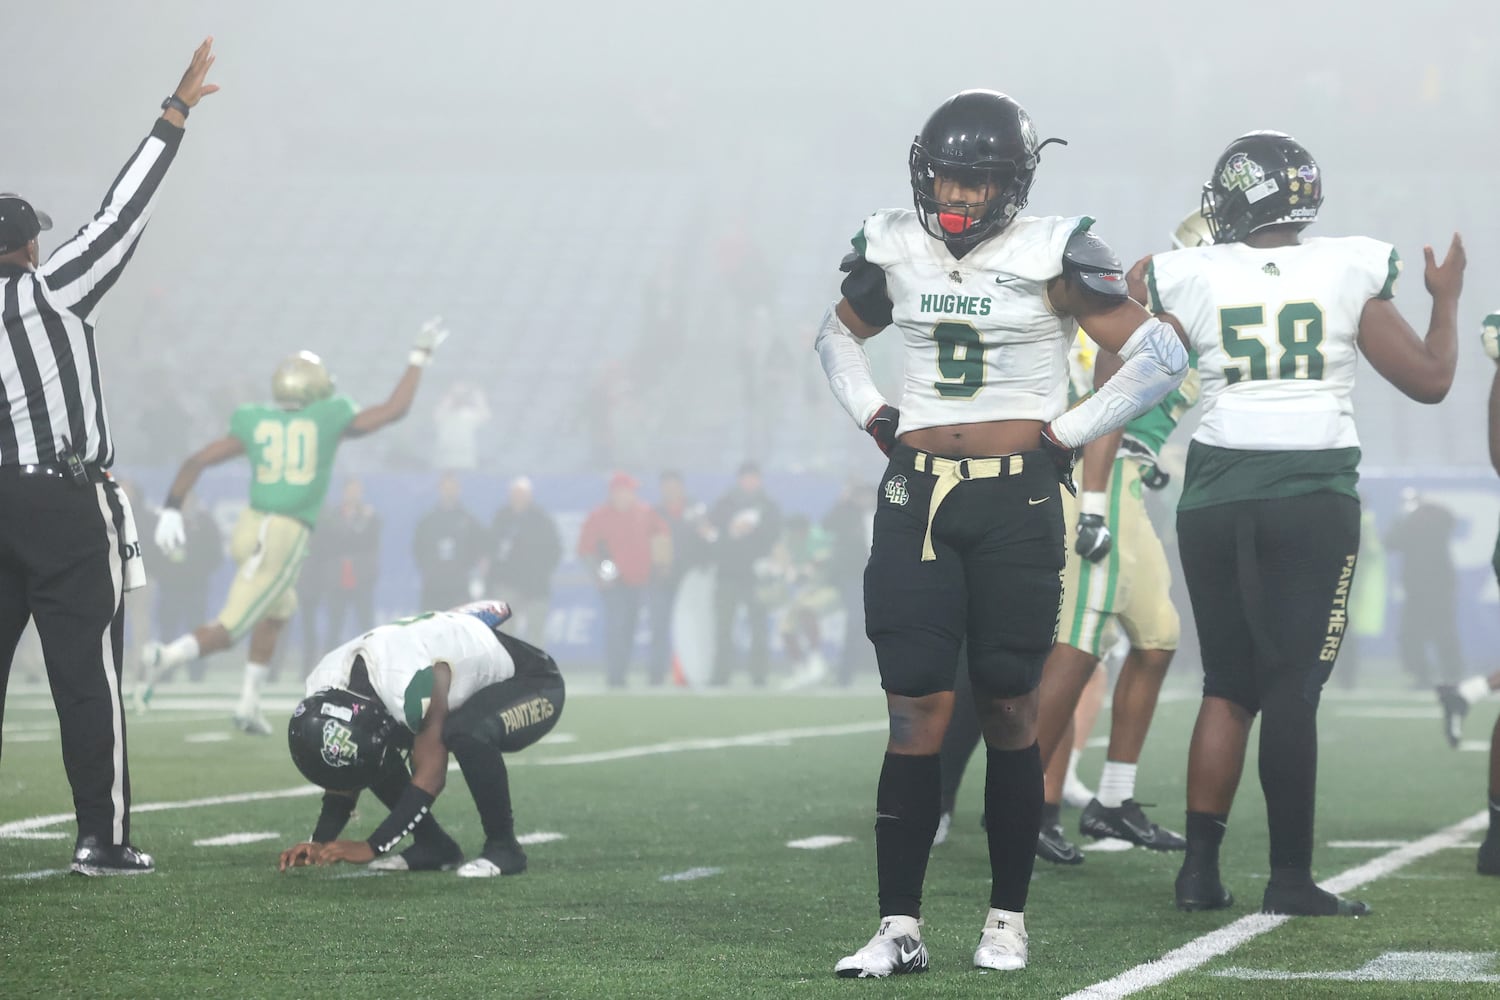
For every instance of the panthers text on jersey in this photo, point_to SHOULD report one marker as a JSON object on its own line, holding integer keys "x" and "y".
{"x": 399, "y": 658}
{"x": 1275, "y": 331}
{"x": 981, "y": 341}
{"x": 291, "y": 453}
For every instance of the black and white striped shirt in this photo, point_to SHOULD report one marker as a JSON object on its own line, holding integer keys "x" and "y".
{"x": 49, "y": 371}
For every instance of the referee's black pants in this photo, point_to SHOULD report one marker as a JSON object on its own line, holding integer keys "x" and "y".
{"x": 61, "y": 563}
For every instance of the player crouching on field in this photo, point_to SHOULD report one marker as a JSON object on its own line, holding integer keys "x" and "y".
{"x": 438, "y": 682}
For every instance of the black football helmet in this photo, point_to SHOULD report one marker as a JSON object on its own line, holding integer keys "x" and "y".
{"x": 1261, "y": 179}
{"x": 978, "y": 137}
{"x": 339, "y": 739}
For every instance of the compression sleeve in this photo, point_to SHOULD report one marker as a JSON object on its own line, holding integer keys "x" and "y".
{"x": 1155, "y": 363}
{"x": 848, "y": 369}
{"x": 410, "y": 808}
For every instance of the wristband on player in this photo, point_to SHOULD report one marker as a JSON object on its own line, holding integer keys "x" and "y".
{"x": 419, "y": 357}
{"x": 335, "y": 816}
{"x": 1092, "y": 503}
{"x": 411, "y": 809}
{"x": 174, "y": 502}
{"x": 177, "y": 104}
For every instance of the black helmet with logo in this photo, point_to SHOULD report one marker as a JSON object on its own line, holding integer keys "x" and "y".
{"x": 1261, "y": 179}
{"x": 339, "y": 740}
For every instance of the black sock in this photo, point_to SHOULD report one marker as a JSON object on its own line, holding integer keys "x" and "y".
{"x": 1494, "y": 817}
{"x": 484, "y": 772}
{"x": 1289, "y": 775}
{"x": 1051, "y": 814}
{"x": 907, "y": 806}
{"x": 1205, "y": 832}
{"x": 1013, "y": 793}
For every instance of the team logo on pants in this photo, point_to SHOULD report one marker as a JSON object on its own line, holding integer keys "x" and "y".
{"x": 895, "y": 491}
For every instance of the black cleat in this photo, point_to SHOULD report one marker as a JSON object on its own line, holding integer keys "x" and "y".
{"x": 1054, "y": 846}
{"x": 1455, "y": 708}
{"x": 1127, "y": 822}
{"x": 1489, "y": 855}
{"x": 1199, "y": 888}
{"x": 1305, "y": 899}
{"x": 91, "y": 857}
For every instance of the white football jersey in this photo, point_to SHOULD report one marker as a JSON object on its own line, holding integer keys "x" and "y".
{"x": 399, "y": 657}
{"x": 1275, "y": 333}
{"x": 982, "y": 342}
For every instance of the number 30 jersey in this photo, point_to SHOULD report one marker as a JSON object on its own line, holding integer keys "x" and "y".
{"x": 1275, "y": 332}
{"x": 981, "y": 341}
{"x": 291, "y": 453}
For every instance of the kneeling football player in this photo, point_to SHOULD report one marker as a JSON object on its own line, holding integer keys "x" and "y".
{"x": 441, "y": 682}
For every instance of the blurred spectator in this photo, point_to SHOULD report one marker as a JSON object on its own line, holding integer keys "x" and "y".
{"x": 688, "y": 532}
{"x": 621, "y": 540}
{"x": 458, "y": 418}
{"x": 448, "y": 545}
{"x": 747, "y": 523}
{"x": 848, "y": 523}
{"x": 796, "y": 579}
{"x": 182, "y": 578}
{"x": 524, "y": 551}
{"x": 353, "y": 537}
{"x": 1429, "y": 614}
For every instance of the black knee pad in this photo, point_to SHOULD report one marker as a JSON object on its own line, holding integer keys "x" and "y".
{"x": 1004, "y": 672}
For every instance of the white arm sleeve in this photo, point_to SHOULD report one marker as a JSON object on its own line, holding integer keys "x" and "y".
{"x": 1155, "y": 364}
{"x": 848, "y": 369}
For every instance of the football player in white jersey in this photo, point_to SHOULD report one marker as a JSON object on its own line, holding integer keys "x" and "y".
{"x": 968, "y": 534}
{"x": 440, "y": 682}
{"x": 1269, "y": 519}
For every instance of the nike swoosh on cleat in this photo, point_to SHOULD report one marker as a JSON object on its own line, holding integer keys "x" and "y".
{"x": 907, "y": 956}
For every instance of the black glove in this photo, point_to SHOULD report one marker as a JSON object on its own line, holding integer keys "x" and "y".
{"x": 1062, "y": 457}
{"x": 1094, "y": 540}
{"x": 1154, "y": 477}
{"x": 882, "y": 427}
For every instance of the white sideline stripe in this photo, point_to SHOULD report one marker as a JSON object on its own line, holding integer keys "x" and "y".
{"x": 691, "y": 874}
{"x": 819, "y": 842}
{"x": 540, "y": 837}
{"x": 1368, "y": 844}
{"x": 772, "y": 738}
{"x": 38, "y": 835}
{"x": 206, "y": 738}
{"x": 679, "y": 746}
{"x": 1210, "y": 946}
{"x": 1475, "y": 746}
{"x": 559, "y": 738}
{"x": 233, "y": 839}
{"x": 36, "y": 737}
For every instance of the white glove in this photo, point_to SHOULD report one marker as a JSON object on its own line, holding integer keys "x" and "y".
{"x": 170, "y": 535}
{"x": 1490, "y": 336}
{"x": 431, "y": 335}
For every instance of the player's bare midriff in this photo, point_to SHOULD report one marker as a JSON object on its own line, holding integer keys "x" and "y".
{"x": 982, "y": 440}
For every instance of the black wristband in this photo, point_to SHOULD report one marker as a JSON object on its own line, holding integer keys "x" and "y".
{"x": 177, "y": 104}
{"x": 174, "y": 502}
{"x": 335, "y": 815}
{"x": 410, "y": 810}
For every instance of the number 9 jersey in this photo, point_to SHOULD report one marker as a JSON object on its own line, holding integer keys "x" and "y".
{"x": 982, "y": 343}
{"x": 1275, "y": 331}
{"x": 291, "y": 453}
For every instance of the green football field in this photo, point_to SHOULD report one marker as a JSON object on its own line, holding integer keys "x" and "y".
{"x": 669, "y": 872}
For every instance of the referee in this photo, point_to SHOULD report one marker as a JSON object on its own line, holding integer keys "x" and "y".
{"x": 68, "y": 549}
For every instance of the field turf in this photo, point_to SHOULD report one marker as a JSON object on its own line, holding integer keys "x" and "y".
{"x": 715, "y": 788}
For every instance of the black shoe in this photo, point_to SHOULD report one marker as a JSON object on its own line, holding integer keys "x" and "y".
{"x": 1305, "y": 899}
{"x": 1127, "y": 822}
{"x": 500, "y": 857}
{"x": 91, "y": 857}
{"x": 425, "y": 857}
{"x": 1054, "y": 846}
{"x": 1198, "y": 887}
{"x": 1455, "y": 708}
{"x": 1489, "y": 855}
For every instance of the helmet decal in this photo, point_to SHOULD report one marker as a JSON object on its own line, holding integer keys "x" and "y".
{"x": 1241, "y": 173}
{"x": 339, "y": 748}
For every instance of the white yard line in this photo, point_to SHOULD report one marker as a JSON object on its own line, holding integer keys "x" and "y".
{"x": 691, "y": 875}
{"x": 1210, "y": 946}
{"x": 819, "y": 842}
{"x": 235, "y": 839}
{"x": 772, "y": 738}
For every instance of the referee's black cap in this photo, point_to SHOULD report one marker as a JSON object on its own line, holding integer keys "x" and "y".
{"x": 19, "y": 222}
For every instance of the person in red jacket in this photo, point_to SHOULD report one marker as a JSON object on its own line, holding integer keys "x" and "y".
{"x": 622, "y": 540}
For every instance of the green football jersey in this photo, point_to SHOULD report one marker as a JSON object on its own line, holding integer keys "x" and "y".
{"x": 291, "y": 453}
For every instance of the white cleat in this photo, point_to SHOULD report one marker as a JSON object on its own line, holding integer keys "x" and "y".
{"x": 895, "y": 949}
{"x": 253, "y": 723}
{"x": 945, "y": 823}
{"x": 1002, "y": 947}
{"x": 389, "y": 863}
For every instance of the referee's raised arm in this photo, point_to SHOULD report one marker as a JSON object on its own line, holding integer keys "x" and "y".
{"x": 68, "y": 546}
{"x": 80, "y": 271}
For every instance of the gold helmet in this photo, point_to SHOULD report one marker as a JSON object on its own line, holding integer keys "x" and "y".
{"x": 300, "y": 379}
{"x": 1192, "y": 232}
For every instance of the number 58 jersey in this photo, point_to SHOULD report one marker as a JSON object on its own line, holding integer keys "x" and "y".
{"x": 1275, "y": 331}
{"x": 291, "y": 453}
{"x": 982, "y": 342}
